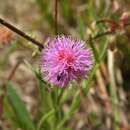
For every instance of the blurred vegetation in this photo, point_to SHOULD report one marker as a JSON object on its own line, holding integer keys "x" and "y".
{"x": 102, "y": 102}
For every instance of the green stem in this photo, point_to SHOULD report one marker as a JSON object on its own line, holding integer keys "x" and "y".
{"x": 56, "y": 106}
{"x": 62, "y": 122}
{"x": 44, "y": 117}
{"x": 96, "y": 66}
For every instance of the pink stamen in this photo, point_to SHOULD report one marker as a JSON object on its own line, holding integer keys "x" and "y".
{"x": 65, "y": 56}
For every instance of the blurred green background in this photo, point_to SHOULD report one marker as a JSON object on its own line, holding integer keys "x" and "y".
{"x": 104, "y": 101}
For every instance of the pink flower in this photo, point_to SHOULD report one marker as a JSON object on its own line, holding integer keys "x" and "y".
{"x": 65, "y": 59}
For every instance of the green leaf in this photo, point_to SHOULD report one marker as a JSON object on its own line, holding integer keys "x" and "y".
{"x": 75, "y": 105}
{"x": 95, "y": 51}
{"x": 45, "y": 117}
{"x": 103, "y": 48}
{"x": 19, "y": 109}
{"x": 66, "y": 9}
{"x": 81, "y": 28}
{"x": 45, "y": 96}
{"x": 10, "y": 115}
{"x": 45, "y": 12}
{"x": 65, "y": 4}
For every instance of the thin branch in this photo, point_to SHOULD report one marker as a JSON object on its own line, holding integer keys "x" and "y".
{"x": 1, "y": 106}
{"x": 10, "y": 76}
{"x": 14, "y": 69}
{"x": 98, "y": 36}
{"x": 112, "y": 22}
{"x": 56, "y": 16}
{"x": 22, "y": 34}
{"x": 101, "y": 35}
{"x": 127, "y": 24}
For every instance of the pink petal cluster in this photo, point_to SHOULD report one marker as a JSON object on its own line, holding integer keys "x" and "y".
{"x": 65, "y": 59}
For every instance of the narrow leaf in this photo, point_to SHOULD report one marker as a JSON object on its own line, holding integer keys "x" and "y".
{"x": 19, "y": 109}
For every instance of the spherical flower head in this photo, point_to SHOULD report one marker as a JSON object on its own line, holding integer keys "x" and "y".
{"x": 65, "y": 59}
